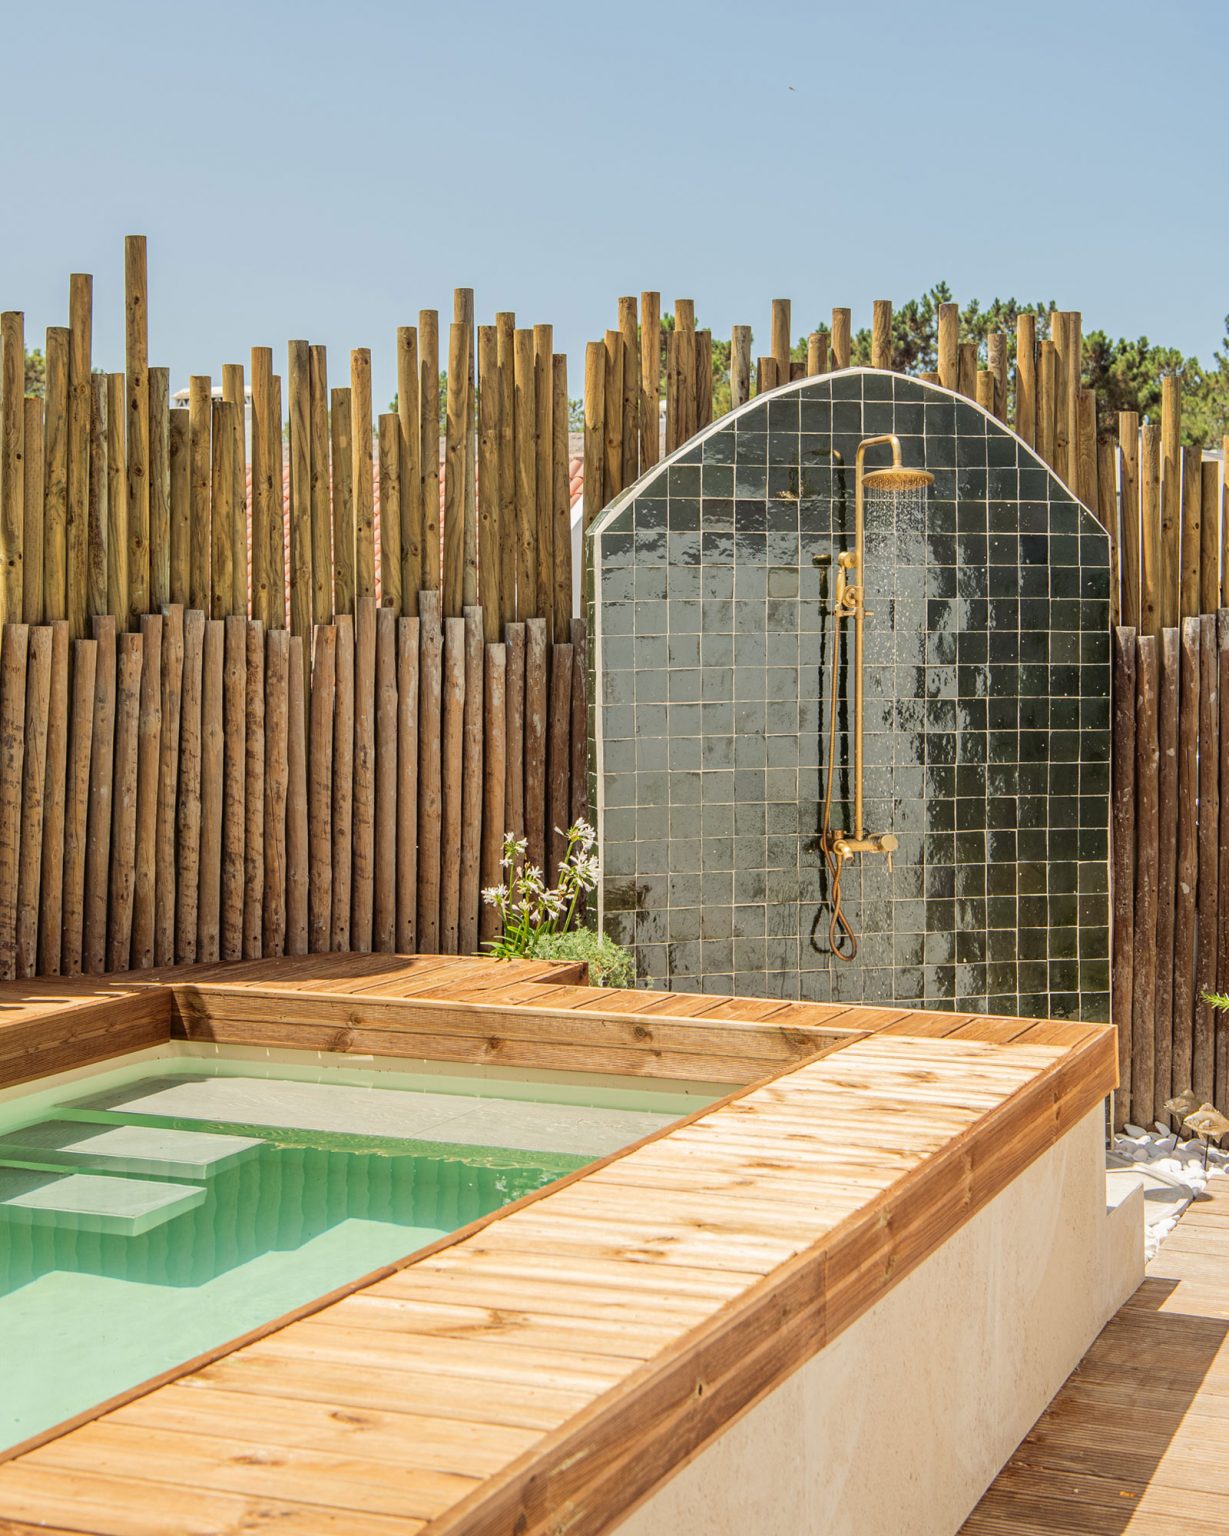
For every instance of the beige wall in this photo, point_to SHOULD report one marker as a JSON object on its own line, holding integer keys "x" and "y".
{"x": 901, "y": 1423}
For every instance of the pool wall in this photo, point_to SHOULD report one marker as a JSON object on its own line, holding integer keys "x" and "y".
{"x": 904, "y": 1420}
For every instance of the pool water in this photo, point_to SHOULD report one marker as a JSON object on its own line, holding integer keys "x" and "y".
{"x": 147, "y": 1219}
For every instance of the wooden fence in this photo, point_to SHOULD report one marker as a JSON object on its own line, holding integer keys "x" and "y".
{"x": 1165, "y": 507}
{"x": 214, "y": 743}
{"x": 1171, "y": 863}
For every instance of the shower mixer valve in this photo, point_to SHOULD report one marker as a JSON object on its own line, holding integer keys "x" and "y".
{"x": 844, "y": 847}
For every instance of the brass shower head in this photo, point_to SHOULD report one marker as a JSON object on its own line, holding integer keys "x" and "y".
{"x": 897, "y": 478}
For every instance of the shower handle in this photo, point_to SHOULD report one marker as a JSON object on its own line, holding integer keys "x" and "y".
{"x": 883, "y": 842}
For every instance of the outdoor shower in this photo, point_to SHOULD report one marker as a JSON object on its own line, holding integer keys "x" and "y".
{"x": 892, "y": 484}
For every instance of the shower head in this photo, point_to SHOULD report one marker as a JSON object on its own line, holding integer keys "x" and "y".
{"x": 897, "y": 478}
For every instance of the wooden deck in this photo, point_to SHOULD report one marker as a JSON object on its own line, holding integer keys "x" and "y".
{"x": 568, "y": 1352}
{"x": 1138, "y": 1440}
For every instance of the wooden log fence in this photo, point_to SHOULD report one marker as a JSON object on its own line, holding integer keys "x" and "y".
{"x": 1170, "y": 864}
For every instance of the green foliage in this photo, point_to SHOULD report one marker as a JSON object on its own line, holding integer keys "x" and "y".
{"x": 36, "y": 373}
{"x": 1218, "y": 1000}
{"x": 530, "y": 910}
{"x": 609, "y": 963}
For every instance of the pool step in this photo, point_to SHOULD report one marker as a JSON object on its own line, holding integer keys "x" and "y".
{"x": 86, "y": 1202}
{"x": 165, "y": 1153}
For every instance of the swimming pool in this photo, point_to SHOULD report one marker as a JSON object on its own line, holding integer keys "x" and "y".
{"x": 156, "y": 1210}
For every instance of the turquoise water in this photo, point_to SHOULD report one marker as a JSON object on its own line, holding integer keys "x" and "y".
{"x": 125, "y": 1251}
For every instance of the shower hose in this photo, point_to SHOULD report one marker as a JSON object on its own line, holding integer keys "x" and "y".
{"x": 839, "y": 923}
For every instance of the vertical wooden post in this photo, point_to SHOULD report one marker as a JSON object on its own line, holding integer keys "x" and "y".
{"x": 343, "y": 505}
{"x": 629, "y": 330}
{"x": 455, "y": 447}
{"x": 704, "y": 380}
{"x": 1224, "y": 532}
{"x": 650, "y": 379}
{"x": 298, "y": 383}
{"x": 514, "y": 783}
{"x": 1204, "y": 1053}
{"x": 55, "y": 806}
{"x": 470, "y": 848}
{"x": 949, "y": 346}
{"x": 842, "y": 337}
{"x": 817, "y": 353}
{"x": 1165, "y": 1066}
{"x": 968, "y": 369}
{"x": 544, "y": 480}
{"x": 781, "y": 335}
{"x": 559, "y": 758}
{"x": 1171, "y": 491}
{"x": 593, "y": 485}
{"x": 384, "y": 899}
{"x": 160, "y": 490}
{"x": 1150, "y": 600}
{"x": 494, "y": 774}
{"x": 561, "y": 497}
{"x": 1026, "y": 377}
{"x": 408, "y": 631}
{"x": 430, "y": 699}
{"x": 1107, "y": 495}
{"x": 452, "y": 753}
{"x": 80, "y": 307}
{"x": 505, "y": 326}
{"x": 996, "y": 362}
{"x": 274, "y": 462}
{"x": 526, "y": 481}
{"x": 34, "y": 796}
{"x": 12, "y": 460}
{"x": 613, "y": 476}
{"x": 221, "y": 506}
{"x": 429, "y": 415}
{"x": 98, "y": 834}
{"x": 254, "y": 792}
{"x": 296, "y": 800}
{"x": 234, "y": 784}
{"x": 14, "y": 644}
{"x": 1128, "y": 443}
{"x": 985, "y": 390}
{"x": 200, "y": 409}
{"x": 76, "y": 803}
{"x": 171, "y": 687}
{"x": 535, "y": 740}
{"x": 1191, "y": 546}
{"x": 179, "y": 444}
{"x": 1209, "y": 534}
{"x": 685, "y": 330}
{"x": 363, "y": 474}
{"x": 1064, "y": 406}
{"x": 277, "y": 776}
{"x": 117, "y": 504}
{"x": 136, "y": 360}
{"x": 100, "y": 479}
{"x": 881, "y": 335}
{"x": 343, "y": 784}
{"x": 1144, "y": 884}
{"x": 410, "y": 477}
{"x": 740, "y": 366}
{"x": 32, "y": 535}
{"x": 363, "y": 869}
{"x": 389, "y": 434}
{"x": 580, "y": 721}
{"x": 321, "y": 492}
{"x": 209, "y": 888}
{"x": 234, "y": 395}
{"x": 1086, "y": 471}
{"x": 53, "y": 514}
{"x": 149, "y": 767}
{"x": 262, "y": 481}
{"x": 1047, "y": 402}
{"x": 1185, "y": 1061}
{"x": 490, "y": 567}
{"x": 320, "y": 785}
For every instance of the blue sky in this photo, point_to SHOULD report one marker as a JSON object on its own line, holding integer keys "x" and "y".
{"x": 327, "y": 170}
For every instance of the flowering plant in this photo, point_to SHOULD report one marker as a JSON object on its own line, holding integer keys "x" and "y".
{"x": 529, "y": 908}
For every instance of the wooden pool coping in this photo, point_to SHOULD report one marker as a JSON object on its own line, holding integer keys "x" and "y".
{"x": 574, "y": 1348}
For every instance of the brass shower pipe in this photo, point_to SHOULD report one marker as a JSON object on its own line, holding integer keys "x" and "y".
{"x": 850, "y": 601}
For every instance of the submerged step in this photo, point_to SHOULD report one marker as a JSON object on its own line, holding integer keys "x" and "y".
{"x": 343, "y": 1109}
{"x": 170, "y": 1153}
{"x": 85, "y": 1202}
